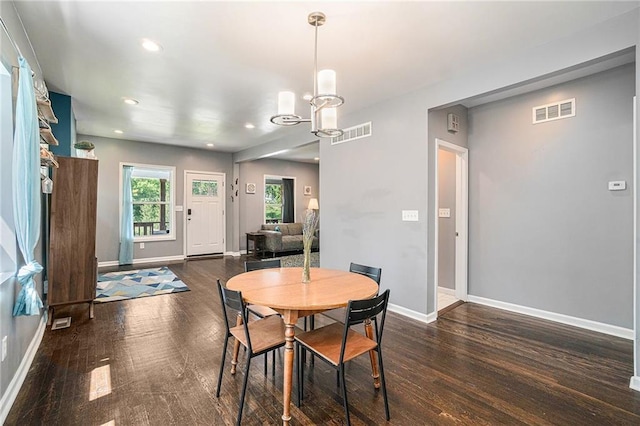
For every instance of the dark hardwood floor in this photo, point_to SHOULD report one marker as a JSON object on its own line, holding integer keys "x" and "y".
{"x": 154, "y": 361}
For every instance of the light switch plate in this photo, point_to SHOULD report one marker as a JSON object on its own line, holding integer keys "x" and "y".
{"x": 444, "y": 212}
{"x": 410, "y": 215}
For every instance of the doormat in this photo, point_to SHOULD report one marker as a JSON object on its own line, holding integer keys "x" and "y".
{"x": 124, "y": 285}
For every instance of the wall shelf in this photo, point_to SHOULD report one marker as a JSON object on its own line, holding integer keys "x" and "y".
{"x": 44, "y": 106}
{"x": 47, "y": 136}
{"x": 49, "y": 162}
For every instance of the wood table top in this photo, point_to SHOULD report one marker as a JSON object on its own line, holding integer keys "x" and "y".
{"x": 282, "y": 288}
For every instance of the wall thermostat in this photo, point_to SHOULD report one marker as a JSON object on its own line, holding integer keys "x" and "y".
{"x": 617, "y": 185}
{"x": 453, "y": 123}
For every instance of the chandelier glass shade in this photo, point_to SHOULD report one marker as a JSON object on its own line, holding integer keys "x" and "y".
{"x": 323, "y": 103}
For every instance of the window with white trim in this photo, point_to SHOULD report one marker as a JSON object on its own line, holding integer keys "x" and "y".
{"x": 152, "y": 191}
{"x": 8, "y": 245}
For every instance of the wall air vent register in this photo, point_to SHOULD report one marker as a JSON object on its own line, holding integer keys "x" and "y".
{"x": 353, "y": 133}
{"x": 554, "y": 111}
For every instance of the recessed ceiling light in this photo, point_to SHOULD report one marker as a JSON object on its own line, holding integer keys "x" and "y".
{"x": 317, "y": 158}
{"x": 249, "y": 126}
{"x": 209, "y": 144}
{"x": 118, "y": 131}
{"x": 151, "y": 45}
{"x": 130, "y": 101}
{"x": 307, "y": 96}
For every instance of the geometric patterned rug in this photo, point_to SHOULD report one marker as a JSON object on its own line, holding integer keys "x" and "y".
{"x": 123, "y": 285}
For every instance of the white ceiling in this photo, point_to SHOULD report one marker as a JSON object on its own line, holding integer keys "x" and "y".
{"x": 223, "y": 63}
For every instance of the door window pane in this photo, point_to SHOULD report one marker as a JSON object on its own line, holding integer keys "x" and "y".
{"x": 205, "y": 187}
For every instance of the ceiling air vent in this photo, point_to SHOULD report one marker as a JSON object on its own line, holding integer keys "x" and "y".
{"x": 554, "y": 111}
{"x": 353, "y": 133}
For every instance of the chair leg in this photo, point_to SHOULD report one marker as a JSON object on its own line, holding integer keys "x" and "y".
{"x": 344, "y": 393}
{"x": 384, "y": 385}
{"x": 265, "y": 362}
{"x": 299, "y": 373}
{"x": 224, "y": 355}
{"x": 244, "y": 390}
{"x": 273, "y": 363}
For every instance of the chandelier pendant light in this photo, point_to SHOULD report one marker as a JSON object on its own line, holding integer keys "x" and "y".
{"x": 324, "y": 117}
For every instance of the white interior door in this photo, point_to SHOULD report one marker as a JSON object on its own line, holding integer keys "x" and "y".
{"x": 461, "y": 219}
{"x": 204, "y": 213}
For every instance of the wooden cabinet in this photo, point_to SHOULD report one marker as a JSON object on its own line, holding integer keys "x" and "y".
{"x": 72, "y": 244}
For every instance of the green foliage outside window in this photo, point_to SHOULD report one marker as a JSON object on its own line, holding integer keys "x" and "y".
{"x": 147, "y": 201}
{"x": 273, "y": 202}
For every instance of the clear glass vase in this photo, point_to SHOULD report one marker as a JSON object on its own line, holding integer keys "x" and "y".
{"x": 306, "y": 273}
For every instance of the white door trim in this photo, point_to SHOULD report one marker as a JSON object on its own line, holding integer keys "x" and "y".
{"x": 462, "y": 220}
{"x": 184, "y": 202}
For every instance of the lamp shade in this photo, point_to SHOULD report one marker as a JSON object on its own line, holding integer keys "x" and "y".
{"x": 313, "y": 204}
{"x": 286, "y": 103}
{"x": 327, "y": 82}
{"x": 328, "y": 118}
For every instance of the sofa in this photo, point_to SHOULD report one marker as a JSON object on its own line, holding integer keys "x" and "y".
{"x": 281, "y": 237}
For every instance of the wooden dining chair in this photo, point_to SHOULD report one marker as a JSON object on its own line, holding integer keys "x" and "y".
{"x": 338, "y": 344}
{"x": 375, "y": 274}
{"x": 258, "y": 337}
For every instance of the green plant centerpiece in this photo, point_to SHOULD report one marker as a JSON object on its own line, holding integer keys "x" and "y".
{"x": 84, "y": 149}
{"x": 309, "y": 227}
{"x": 84, "y": 145}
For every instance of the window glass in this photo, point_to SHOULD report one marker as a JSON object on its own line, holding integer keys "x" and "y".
{"x": 151, "y": 191}
{"x": 205, "y": 187}
{"x": 273, "y": 202}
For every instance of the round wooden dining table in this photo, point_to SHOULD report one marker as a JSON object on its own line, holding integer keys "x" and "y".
{"x": 282, "y": 289}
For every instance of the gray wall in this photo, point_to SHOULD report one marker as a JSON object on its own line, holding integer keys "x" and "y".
{"x": 544, "y": 231}
{"x": 447, "y": 225}
{"x": 111, "y": 152}
{"x": 252, "y": 205}
{"x": 20, "y": 331}
{"x": 366, "y": 183}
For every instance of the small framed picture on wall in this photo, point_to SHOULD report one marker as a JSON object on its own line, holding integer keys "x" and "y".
{"x": 307, "y": 190}
{"x": 251, "y": 188}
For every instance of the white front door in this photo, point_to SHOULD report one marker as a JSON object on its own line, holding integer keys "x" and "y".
{"x": 204, "y": 213}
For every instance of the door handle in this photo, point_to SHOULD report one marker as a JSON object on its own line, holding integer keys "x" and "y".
{"x": 189, "y": 212}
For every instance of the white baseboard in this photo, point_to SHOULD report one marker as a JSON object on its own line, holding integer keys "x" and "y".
{"x": 634, "y": 383}
{"x": 235, "y": 253}
{"x": 448, "y": 291}
{"x": 412, "y": 314}
{"x": 600, "y": 327}
{"x": 143, "y": 260}
{"x": 18, "y": 379}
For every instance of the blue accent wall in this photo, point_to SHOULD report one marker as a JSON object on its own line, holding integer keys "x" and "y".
{"x": 63, "y": 131}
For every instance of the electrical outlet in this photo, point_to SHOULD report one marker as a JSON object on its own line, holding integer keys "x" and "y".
{"x": 141, "y": 246}
{"x": 4, "y": 348}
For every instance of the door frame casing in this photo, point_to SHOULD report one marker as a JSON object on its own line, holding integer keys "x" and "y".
{"x": 462, "y": 220}
{"x": 184, "y": 207}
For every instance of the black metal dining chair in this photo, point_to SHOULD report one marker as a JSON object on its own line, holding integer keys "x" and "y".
{"x": 258, "y": 337}
{"x": 259, "y": 310}
{"x": 338, "y": 344}
{"x": 371, "y": 272}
